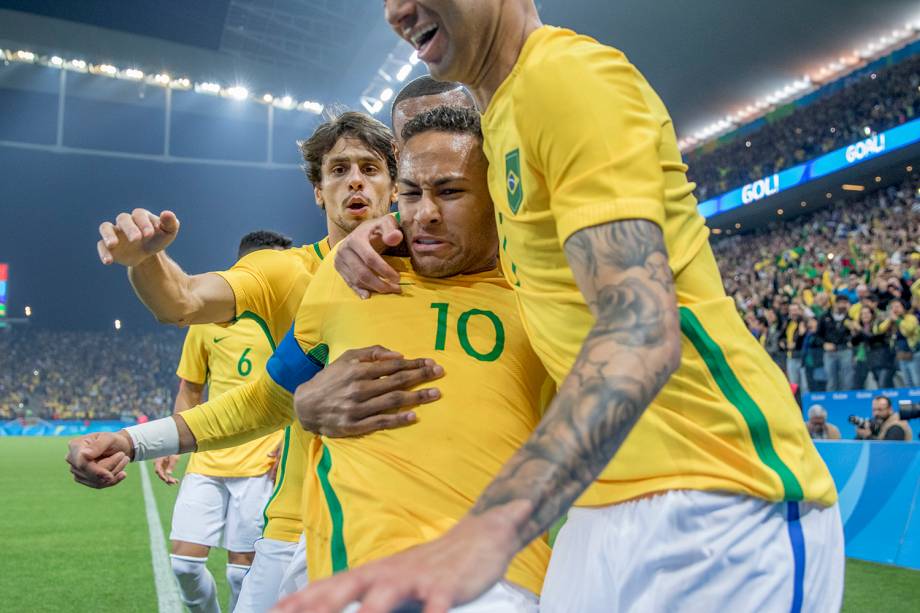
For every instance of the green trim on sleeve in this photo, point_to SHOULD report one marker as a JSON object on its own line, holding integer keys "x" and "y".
{"x": 262, "y": 324}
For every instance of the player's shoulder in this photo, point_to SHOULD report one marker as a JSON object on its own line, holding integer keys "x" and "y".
{"x": 293, "y": 260}
{"x": 562, "y": 53}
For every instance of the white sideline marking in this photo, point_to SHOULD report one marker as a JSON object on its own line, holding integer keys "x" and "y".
{"x": 167, "y": 590}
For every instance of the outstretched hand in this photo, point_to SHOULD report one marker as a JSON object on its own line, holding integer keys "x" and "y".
{"x": 99, "y": 460}
{"x": 136, "y": 236}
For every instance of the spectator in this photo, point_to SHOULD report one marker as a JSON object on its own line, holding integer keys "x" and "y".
{"x": 886, "y": 423}
{"x": 834, "y": 330}
{"x": 818, "y": 426}
{"x": 871, "y": 351}
{"x": 904, "y": 331}
{"x": 813, "y": 358}
{"x": 791, "y": 342}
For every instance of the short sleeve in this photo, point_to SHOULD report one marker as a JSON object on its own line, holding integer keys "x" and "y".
{"x": 594, "y": 138}
{"x": 262, "y": 282}
{"x": 193, "y": 365}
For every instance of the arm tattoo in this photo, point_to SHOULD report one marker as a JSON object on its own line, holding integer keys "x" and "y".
{"x": 622, "y": 270}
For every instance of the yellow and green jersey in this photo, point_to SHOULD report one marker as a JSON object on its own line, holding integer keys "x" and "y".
{"x": 382, "y": 493}
{"x": 225, "y": 358}
{"x": 576, "y": 138}
{"x": 268, "y": 286}
{"x": 371, "y": 496}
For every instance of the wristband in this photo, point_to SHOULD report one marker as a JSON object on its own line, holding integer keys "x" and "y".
{"x": 154, "y": 439}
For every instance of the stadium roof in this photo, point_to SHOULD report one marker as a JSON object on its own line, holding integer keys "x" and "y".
{"x": 706, "y": 58}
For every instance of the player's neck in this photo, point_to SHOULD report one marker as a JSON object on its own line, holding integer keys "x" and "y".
{"x": 336, "y": 233}
{"x": 507, "y": 46}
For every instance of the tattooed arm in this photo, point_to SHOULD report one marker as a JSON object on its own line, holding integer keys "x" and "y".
{"x": 622, "y": 270}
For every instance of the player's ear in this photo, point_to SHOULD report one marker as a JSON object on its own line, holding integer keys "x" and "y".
{"x": 394, "y": 194}
{"x": 318, "y": 194}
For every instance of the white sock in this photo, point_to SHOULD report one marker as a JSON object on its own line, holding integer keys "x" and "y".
{"x": 235, "y": 575}
{"x": 196, "y": 584}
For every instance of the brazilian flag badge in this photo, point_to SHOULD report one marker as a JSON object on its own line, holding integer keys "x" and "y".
{"x": 513, "y": 180}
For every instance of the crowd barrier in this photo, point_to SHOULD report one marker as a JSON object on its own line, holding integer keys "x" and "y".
{"x": 879, "y": 489}
{"x": 840, "y": 405}
{"x": 60, "y": 427}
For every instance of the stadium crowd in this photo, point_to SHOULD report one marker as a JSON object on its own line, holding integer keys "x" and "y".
{"x": 879, "y": 101}
{"x": 834, "y": 296}
{"x": 87, "y": 375}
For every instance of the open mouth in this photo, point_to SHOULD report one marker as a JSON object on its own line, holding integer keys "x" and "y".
{"x": 356, "y": 206}
{"x": 424, "y": 35}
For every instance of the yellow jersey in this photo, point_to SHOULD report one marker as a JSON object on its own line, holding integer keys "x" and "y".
{"x": 576, "y": 138}
{"x": 373, "y": 496}
{"x": 225, "y": 358}
{"x": 268, "y": 286}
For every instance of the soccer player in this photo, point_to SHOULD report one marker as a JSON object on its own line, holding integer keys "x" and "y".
{"x": 352, "y": 166}
{"x": 383, "y": 492}
{"x": 223, "y": 492}
{"x": 715, "y": 495}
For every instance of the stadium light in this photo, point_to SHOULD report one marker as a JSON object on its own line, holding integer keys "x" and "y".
{"x": 404, "y": 73}
{"x": 161, "y": 79}
{"x": 267, "y": 98}
{"x": 24, "y": 56}
{"x": 77, "y": 65}
{"x": 182, "y": 83}
{"x": 779, "y": 211}
{"x": 28, "y": 311}
{"x": 56, "y": 60}
{"x": 104, "y": 69}
{"x": 118, "y": 324}
{"x": 386, "y": 95}
{"x": 371, "y": 105}
{"x": 237, "y": 92}
{"x": 132, "y": 74}
{"x": 414, "y": 59}
{"x": 311, "y": 107}
{"x": 286, "y": 103}
{"x": 208, "y": 87}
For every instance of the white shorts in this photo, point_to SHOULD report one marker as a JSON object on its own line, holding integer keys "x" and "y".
{"x": 697, "y": 551}
{"x": 503, "y": 597}
{"x": 295, "y": 574}
{"x": 260, "y": 587}
{"x": 210, "y": 506}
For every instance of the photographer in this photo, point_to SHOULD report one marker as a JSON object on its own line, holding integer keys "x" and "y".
{"x": 885, "y": 425}
{"x": 818, "y": 426}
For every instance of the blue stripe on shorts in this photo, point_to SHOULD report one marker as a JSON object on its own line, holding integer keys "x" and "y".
{"x": 797, "y": 539}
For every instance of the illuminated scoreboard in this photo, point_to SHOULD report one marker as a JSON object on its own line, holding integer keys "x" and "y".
{"x": 4, "y": 280}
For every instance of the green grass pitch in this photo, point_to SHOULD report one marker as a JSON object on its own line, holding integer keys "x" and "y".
{"x": 69, "y": 548}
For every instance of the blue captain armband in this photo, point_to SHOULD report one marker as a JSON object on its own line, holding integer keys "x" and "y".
{"x": 289, "y": 366}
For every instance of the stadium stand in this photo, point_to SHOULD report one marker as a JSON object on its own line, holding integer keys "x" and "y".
{"x": 878, "y": 100}
{"x": 866, "y": 251}
{"x": 87, "y": 375}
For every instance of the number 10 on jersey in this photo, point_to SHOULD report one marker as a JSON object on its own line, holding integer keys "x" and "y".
{"x": 463, "y": 323}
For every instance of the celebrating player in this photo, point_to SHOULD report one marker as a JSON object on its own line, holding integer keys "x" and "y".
{"x": 715, "y": 494}
{"x": 351, "y": 163}
{"x": 223, "y": 491}
{"x": 380, "y": 493}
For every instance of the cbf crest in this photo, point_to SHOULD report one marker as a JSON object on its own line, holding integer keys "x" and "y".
{"x": 513, "y": 180}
